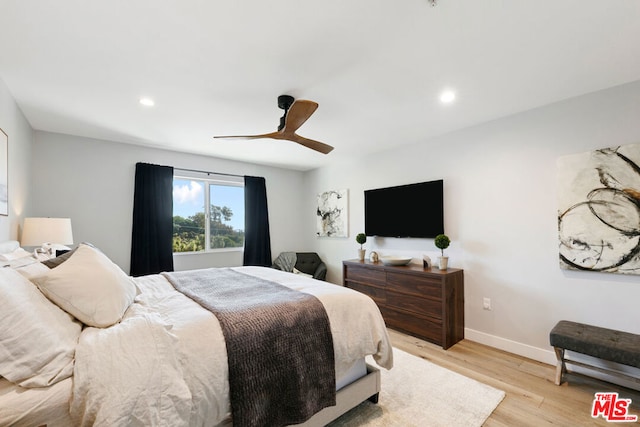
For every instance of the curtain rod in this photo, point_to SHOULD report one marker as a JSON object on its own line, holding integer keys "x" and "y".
{"x": 208, "y": 173}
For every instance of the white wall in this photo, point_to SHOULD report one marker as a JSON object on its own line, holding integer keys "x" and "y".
{"x": 91, "y": 181}
{"x": 14, "y": 124}
{"x": 500, "y": 212}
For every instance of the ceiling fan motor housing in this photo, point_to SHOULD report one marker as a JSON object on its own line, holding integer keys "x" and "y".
{"x": 284, "y": 102}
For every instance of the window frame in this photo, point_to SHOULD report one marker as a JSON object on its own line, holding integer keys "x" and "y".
{"x": 209, "y": 179}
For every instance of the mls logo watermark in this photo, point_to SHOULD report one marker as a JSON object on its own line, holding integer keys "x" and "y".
{"x": 612, "y": 408}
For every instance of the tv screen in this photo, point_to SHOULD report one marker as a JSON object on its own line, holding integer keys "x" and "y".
{"x": 412, "y": 210}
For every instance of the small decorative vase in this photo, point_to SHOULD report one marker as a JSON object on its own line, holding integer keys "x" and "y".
{"x": 361, "y": 254}
{"x": 426, "y": 261}
{"x": 443, "y": 261}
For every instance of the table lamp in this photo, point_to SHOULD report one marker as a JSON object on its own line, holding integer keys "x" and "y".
{"x": 47, "y": 233}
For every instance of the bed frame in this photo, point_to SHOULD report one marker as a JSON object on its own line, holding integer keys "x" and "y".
{"x": 348, "y": 397}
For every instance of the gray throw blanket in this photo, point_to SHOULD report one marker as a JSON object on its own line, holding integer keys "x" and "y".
{"x": 279, "y": 345}
{"x": 286, "y": 261}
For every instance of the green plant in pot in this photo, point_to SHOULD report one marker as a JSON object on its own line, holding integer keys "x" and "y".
{"x": 361, "y": 238}
{"x": 442, "y": 242}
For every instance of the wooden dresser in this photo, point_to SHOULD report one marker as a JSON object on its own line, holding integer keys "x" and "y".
{"x": 426, "y": 303}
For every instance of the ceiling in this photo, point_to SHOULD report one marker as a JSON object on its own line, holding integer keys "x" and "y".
{"x": 375, "y": 67}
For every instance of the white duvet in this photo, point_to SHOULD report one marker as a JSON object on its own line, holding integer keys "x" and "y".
{"x": 165, "y": 364}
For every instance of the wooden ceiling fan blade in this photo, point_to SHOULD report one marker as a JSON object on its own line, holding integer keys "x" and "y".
{"x": 310, "y": 143}
{"x": 299, "y": 112}
{"x": 273, "y": 135}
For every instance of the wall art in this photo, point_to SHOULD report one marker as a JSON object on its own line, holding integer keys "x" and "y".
{"x": 4, "y": 173}
{"x": 599, "y": 210}
{"x": 332, "y": 214}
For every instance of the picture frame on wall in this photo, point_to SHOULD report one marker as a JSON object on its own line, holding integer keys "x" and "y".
{"x": 599, "y": 210}
{"x": 4, "y": 173}
{"x": 332, "y": 213}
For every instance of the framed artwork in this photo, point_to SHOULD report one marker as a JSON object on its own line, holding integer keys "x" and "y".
{"x": 4, "y": 173}
{"x": 332, "y": 214}
{"x": 599, "y": 210}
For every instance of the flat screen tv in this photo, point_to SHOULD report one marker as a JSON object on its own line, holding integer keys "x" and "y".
{"x": 412, "y": 210}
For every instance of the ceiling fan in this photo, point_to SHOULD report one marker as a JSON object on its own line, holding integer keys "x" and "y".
{"x": 295, "y": 114}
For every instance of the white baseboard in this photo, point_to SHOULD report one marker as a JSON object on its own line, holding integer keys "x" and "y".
{"x": 525, "y": 350}
{"x": 549, "y": 357}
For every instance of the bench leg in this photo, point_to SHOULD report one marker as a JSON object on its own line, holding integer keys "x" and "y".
{"x": 561, "y": 368}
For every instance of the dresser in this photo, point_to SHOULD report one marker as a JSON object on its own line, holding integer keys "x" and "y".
{"x": 426, "y": 303}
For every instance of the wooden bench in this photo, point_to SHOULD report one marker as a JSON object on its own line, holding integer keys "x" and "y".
{"x": 606, "y": 344}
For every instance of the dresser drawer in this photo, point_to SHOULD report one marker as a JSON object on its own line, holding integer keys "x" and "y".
{"x": 377, "y": 294}
{"x": 423, "y": 306}
{"x": 366, "y": 275}
{"x": 415, "y": 285}
{"x": 418, "y": 326}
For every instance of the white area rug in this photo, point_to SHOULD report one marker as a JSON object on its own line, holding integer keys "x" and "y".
{"x": 419, "y": 393}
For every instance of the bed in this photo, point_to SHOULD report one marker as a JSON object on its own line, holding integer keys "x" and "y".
{"x": 143, "y": 353}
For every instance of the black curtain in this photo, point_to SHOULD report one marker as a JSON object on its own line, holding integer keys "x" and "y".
{"x": 152, "y": 234}
{"x": 257, "y": 241}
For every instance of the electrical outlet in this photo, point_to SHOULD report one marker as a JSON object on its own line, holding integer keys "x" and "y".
{"x": 486, "y": 303}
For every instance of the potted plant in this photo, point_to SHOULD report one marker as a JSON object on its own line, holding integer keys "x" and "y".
{"x": 361, "y": 238}
{"x": 442, "y": 242}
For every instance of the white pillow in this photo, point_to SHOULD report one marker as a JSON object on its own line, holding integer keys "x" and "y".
{"x": 15, "y": 254}
{"x": 37, "y": 339}
{"x": 90, "y": 287}
{"x": 32, "y": 269}
{"x": 8, "y": 246}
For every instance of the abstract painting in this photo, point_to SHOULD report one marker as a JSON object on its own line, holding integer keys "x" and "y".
{"x": 4, "y": 173}
{"x": 599, "y": 210}
{"x": 332, "y": 214}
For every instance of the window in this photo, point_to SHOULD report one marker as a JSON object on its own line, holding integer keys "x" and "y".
{"x": 208, "y": 213}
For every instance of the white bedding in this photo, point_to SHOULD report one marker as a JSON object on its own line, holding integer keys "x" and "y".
{"x": 166, "y": 362}
{"x": 20, "y": 407}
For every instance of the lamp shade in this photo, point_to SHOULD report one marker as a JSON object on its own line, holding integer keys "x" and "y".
{"x": 37, "y": 231}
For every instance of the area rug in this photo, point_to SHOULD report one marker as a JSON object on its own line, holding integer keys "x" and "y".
{"x": 417, "y": 392}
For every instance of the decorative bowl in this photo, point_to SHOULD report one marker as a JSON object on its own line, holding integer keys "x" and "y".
{"x": 395, "y": 260}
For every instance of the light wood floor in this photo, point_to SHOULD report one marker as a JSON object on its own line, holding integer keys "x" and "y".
{"x": 532, "y": 398}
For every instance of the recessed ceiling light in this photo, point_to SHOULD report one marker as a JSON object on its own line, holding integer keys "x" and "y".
{"x": 147, "y": 102}
{"x": 447, "y": 96}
